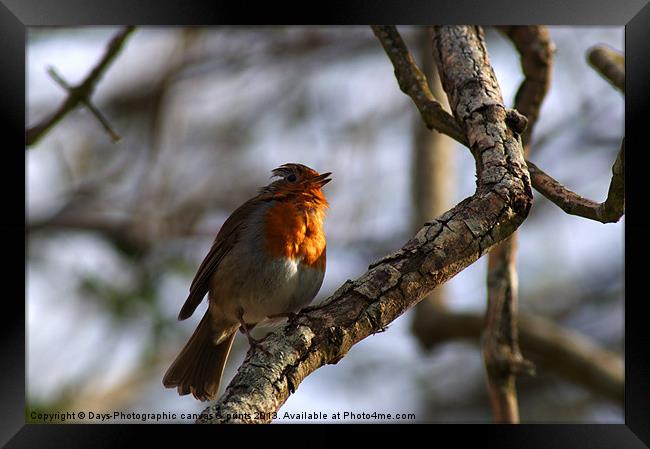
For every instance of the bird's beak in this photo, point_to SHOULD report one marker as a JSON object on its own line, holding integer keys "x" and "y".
{"x": 321, "y": 180}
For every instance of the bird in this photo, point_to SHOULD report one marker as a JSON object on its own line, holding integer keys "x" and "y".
{"x": 267, "y": 262}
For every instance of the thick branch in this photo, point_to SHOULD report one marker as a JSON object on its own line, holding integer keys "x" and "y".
{"x": 609, "y": 211}
{"x": 442, "y": 248}
{"x": 503, "y": 358}
{"x": 432, "y": 175}
{"x": 416, "y": 87}
{"x": 413, "y": 83}
{"x": 610, "y": 64}
{"x": 568, "y": 353}
{"x": 81, "y": 93}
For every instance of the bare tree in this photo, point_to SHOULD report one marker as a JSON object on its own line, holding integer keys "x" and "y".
{"x": 499, "y": 139}
{"x": 323, "y": 334}
{"x": 502, "y": 356}
{"x": 443, "y": 247}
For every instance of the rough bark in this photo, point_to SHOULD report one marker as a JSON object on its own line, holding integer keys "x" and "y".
{"x": 501, "y": 352}
{"x": 556, "y": 349}
{"x": 432, "y": 177}
{"x": 412, "y": 82}
{"x": 443, "y": 247}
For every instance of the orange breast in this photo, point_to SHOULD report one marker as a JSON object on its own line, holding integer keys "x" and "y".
{"x": 293, "y": 232}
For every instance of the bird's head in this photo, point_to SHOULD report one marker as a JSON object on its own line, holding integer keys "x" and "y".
{"x": 298, "y": 179}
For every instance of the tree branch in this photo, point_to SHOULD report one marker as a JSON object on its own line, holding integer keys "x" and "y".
{"x": 81, "y": 93}
{"x": 412, "y": 82}
{"x": 442, "y": 248}
{"x": 530, "y": 95}
{"x": 568, "y": 353}
{"x": 500, "y": 341}
{"x": 502, "y": 355}
{"x": 609, "y": 211}
{"x": 432, "y": 175}
{"x": 610, "y": 64}
{"x": 500, "y": 338}
{"x": 536, "y": 51}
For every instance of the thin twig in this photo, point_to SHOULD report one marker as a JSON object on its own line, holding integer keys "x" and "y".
{"x": 610, "y": 64}
{"x": 81, "y": 93}
{"x": 412, "y": 82}
{"x": 609, "y": 211}
{"x": 115, "y": 137}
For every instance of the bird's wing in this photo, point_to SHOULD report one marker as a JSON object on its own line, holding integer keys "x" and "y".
{"x": 226, "y": 238}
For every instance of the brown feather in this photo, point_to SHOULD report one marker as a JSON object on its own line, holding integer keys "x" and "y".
{"x": 199, "y": 366}
{"x": 225, "y": 240}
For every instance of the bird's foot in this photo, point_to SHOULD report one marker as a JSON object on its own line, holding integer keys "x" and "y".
{"x": 289, "y": 315}
{"x": 257, "y": 344}
{"x": 254, "y": 343}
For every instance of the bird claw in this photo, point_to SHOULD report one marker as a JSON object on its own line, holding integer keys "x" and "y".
{"x": 289, "y": 315}
{"x": 257, "y": 344}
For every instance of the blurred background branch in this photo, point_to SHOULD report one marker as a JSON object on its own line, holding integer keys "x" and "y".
{"x": 610, "y": 64}
{"x": 81, "y": 93}
{"x": 552, "y": 347}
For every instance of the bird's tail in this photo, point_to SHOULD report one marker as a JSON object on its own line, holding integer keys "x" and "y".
{"x": 199, "y": 366}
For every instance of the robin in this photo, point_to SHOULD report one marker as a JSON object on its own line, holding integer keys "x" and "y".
{"x": 267, "y": 261}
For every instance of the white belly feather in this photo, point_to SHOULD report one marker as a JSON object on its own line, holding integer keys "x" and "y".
{"x": 272, "y": 287}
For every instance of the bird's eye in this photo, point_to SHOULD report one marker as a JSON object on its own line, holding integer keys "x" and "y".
{"x": 292, "y": 178}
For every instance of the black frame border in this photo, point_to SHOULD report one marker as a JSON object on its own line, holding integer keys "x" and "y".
{"x": 17, "y": 15}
